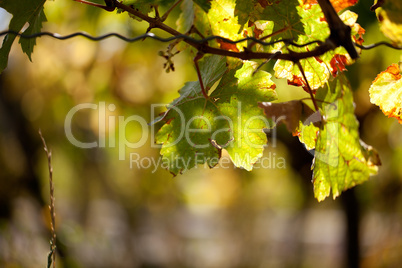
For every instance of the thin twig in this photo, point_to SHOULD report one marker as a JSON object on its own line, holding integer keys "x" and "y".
{"x": 377, "y": 45}
{"x": 52, "y": 254}
{"x": 265, "y": 62}
{"x": 269, "y": 36}
{"x": 156, "y": 11}
{"x": 308, "y": 85}
{"x": 197, "y": 68}
{"x": 196, "y": 31}
{"x": 108, "y": 7}
{"x": 164, "y": 17}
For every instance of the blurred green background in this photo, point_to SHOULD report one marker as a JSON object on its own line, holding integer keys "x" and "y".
{"x": 111, "y": 214}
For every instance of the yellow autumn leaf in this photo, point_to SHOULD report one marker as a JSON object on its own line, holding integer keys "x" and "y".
{"x": 389, "y": 16}
{"x": 386, "y": 92}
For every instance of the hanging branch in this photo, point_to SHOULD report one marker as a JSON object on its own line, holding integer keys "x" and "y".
{"x": 340, "y": 32}
{"x": 368, "y": 47}
{"x": 204, "y": 48}
{"x": 340, "y": 35}
{"x": 52, "y": 254}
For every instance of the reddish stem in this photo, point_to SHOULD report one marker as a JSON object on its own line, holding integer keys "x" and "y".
{"x": 196, "y": 59}
{"x": 107, "y": 8}
{"x": 308, "y": 85}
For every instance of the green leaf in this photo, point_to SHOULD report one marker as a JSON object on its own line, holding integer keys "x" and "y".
{"x": 186, "y": 19}
{"x": 23, "y": 11}
{"x": 310, "y": 27}
{"x": 291, "y": 19}
{"x": 141, "y": 5}
{"x": 201, "y": 22}
{"x": 237, "y": 99}
{"x": 204, "y": 4}
{"x": 285, "y": 16}
{"x": 302, "y": 23}
{"x": 197, "y": 129}
{"x": 341, "y": 161}
{"x": 192, "y": 15}
{"x": 243, "y": 10}
{"x": 138, "y": 3}
{"x": 146, "y": 6}
{"x": 212, "y": 69}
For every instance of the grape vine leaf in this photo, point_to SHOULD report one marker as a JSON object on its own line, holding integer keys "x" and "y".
{"x": 204, "y": 4}
{"x": 145, "y": 6}
{"x": 303, "y": 23}
{"x": 142, "y": 6}
{"x": 386, "y": 91}
{"x": 197, "y": 129}
{"x": 341, "y": 160}
{"x": 225, "y": 23}
{"x": 190, "y": 13}
{"x": 308, "y": 132}
{"x": 193, "y": 15}
{"x": 186, "y": 18}
{"x": 242, "y": 11}
{"x": 389, "y": 15}
{"x": 23, "y": 11}
{"x": 318, "y": 69}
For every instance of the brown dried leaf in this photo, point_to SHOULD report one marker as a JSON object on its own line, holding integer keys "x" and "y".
{"x": 288, "y": 113}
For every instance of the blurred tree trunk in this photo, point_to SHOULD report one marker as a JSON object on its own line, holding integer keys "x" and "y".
{"x": 15, "y": 126}
{"x": 352, "y": 246}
